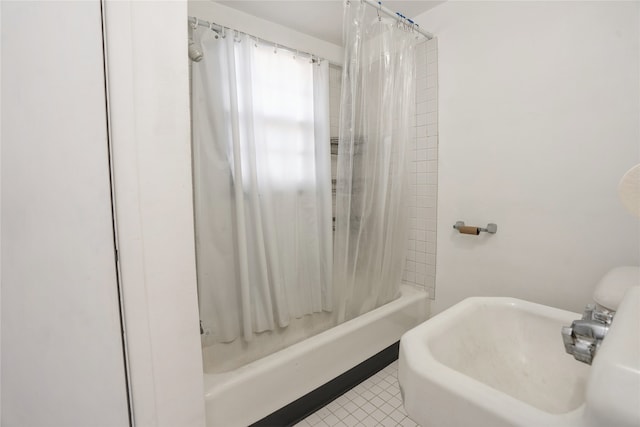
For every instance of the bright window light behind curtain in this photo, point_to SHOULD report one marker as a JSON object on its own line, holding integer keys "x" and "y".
{"x": 262, "y": 192}
{"x": 283, "y": 90}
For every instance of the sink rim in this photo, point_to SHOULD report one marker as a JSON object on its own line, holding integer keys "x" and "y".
{"x": 425, "y": 364}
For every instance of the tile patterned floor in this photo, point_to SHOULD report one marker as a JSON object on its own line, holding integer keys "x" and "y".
{"x": 374, "y": 402}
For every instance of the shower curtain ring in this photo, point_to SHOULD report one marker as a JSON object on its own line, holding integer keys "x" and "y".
{"x": 214, "y": 31}
{"x": 194, "y": 25}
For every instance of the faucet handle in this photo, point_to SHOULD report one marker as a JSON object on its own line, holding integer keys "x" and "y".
{"x": 588, "y": 312}
{"x": 568, "y": 339}
{"x": 603, "y": 315}
{"x": 591, "y": 330}
{"x": 584, "y": 351}
{"x": 583, "y": 338}
{"x": 598, "y": 313}
{"x": 580, "y": 348}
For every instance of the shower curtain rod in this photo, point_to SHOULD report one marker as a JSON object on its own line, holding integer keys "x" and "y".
{"x": 220, "y": 28}
{"x": 398, "y": 17}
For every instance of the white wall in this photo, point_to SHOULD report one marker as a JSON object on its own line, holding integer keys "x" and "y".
{"x": 62, "y": 360}
{"x": 266, "y": 30}
{"x": 538, "y": 120}
{"x": 149, "y": 105}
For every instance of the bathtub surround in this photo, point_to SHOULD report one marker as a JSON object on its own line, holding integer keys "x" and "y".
{"x": 268, "y": 303}
{"x": 237, "y": 385}
{"x": 539, "y": 106}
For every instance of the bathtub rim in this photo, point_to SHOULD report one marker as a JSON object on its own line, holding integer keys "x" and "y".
{"x": 378, "y": 329}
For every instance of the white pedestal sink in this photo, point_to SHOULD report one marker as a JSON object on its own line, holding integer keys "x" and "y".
{"x": 501, "y": 362}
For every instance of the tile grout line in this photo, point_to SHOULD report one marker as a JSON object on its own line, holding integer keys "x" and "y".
{"x": 374, "y": 402}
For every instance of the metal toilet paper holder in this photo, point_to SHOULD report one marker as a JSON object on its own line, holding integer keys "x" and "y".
{"x": 467, "y": 229}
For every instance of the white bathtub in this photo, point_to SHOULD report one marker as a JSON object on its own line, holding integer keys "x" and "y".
{"x": 251, "y": 392}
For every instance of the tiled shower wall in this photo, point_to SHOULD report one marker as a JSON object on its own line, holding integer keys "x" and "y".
{"x": 420, "y": 265}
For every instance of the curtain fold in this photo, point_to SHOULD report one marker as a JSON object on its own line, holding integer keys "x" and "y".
{"x": 323, "y": 175}
{"x": 376, "y": 127}
{"x": 261, "y": 172}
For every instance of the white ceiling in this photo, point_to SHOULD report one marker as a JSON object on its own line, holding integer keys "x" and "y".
{"x": 318, "y": 18}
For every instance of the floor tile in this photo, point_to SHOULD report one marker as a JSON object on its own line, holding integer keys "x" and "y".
{"x": 370, "y": 422}
{"x": 388, "y": 422}
{"x": 313, "y": 419}
{"x": 408, "y": 422}
{"x": 351, "y": 421}
{"x": 374, "y": 402}
{"x": 323, "y": 412}
{"x": 360, "y": 414}
{"x": 387, "y": 408}
{"x": 359, "y": 400}
{"x": 368, "y": 408}
{"x": 351, "y": 406}
{"x": 379, "y": 415}
{"x": 331, "y": 419}
{"x": 341, "y": 413}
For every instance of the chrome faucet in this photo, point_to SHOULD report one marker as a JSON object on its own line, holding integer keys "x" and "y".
{"x": 583, "y": 338}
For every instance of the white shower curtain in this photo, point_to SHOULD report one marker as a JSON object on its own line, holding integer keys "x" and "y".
{"x": 376, "y": 129}
{"x": 262, "y": 196}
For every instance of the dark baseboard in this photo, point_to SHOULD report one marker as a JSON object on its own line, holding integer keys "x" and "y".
{"x": 309, "y": 403}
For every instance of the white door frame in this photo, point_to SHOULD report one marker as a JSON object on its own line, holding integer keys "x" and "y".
{"x": 148, "y": 96}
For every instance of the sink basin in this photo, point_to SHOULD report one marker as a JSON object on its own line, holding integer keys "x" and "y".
{"x": 500, "y": 362}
